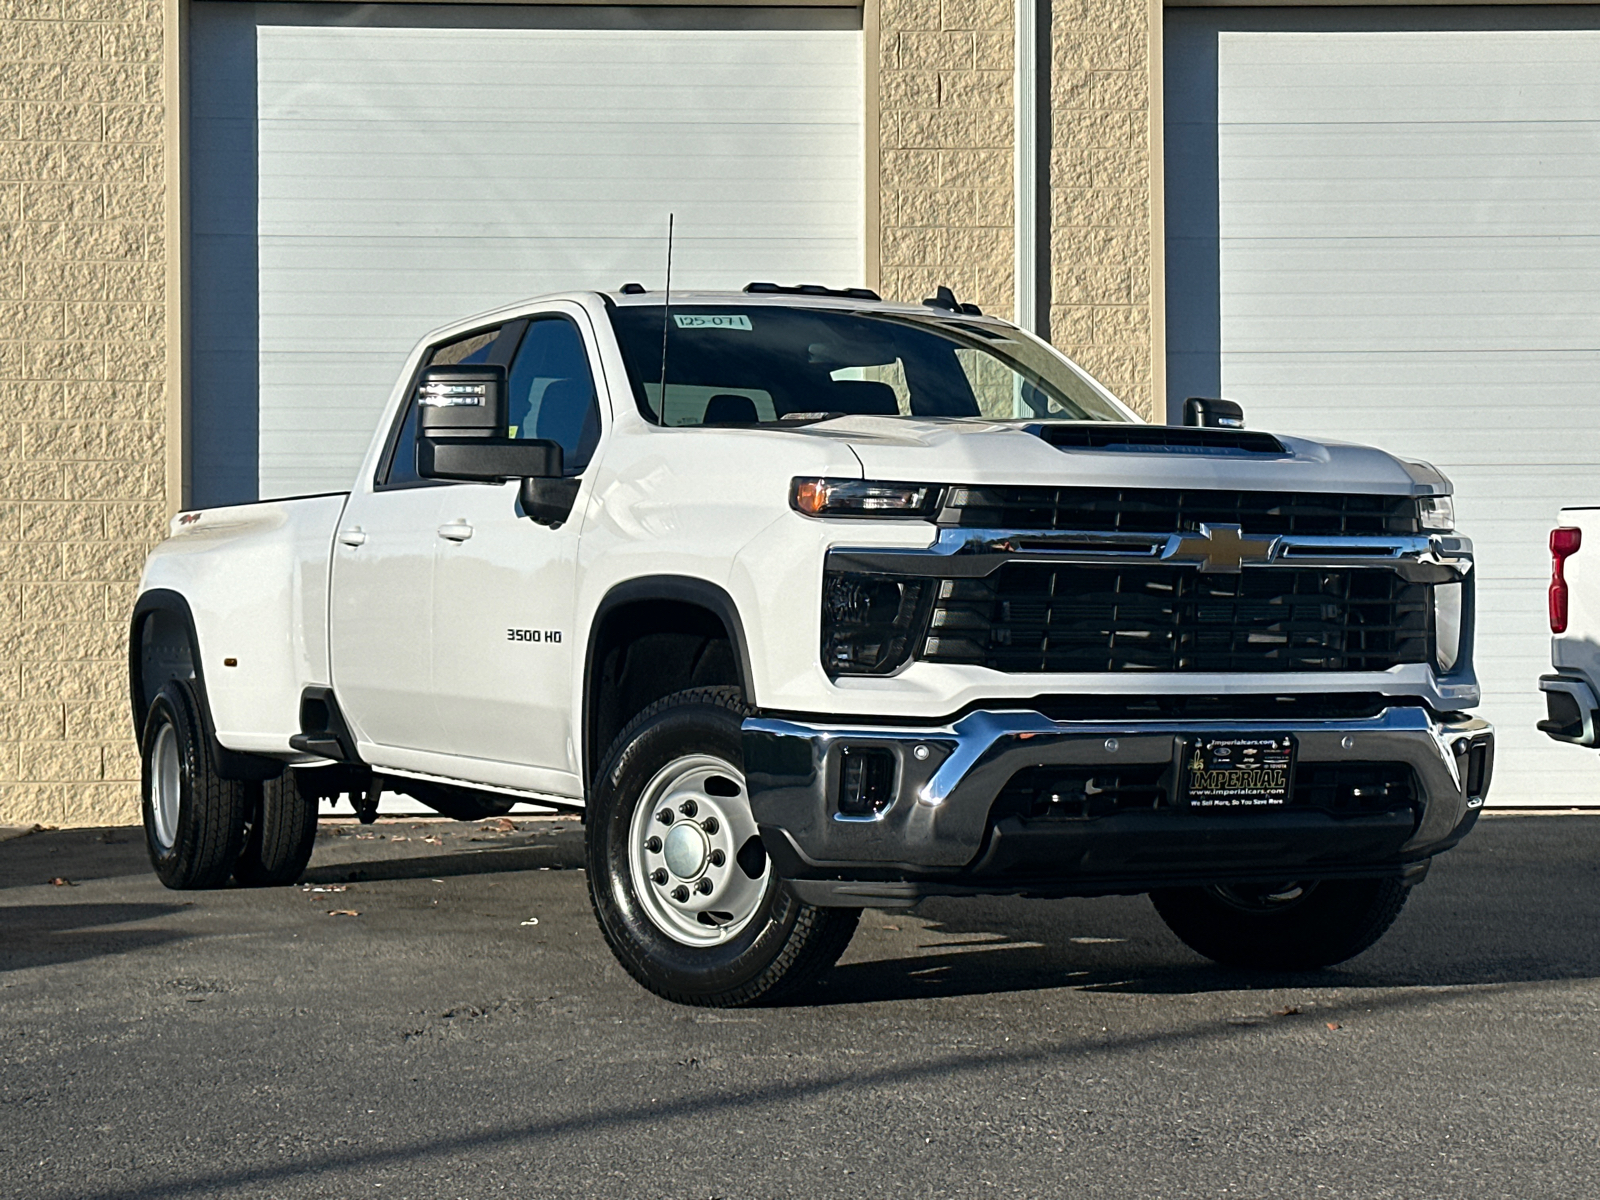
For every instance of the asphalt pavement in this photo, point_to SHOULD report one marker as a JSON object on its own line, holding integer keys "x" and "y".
{"x": 432, "y": 1013}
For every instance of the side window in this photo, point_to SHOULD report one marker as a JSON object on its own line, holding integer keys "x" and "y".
{"x": 400, "y": 468}
{"x": 552, "y": 393}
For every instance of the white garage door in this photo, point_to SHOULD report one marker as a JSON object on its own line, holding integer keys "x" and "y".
{"x": 1405, "y": 250}
{"x": 353, "y": 186}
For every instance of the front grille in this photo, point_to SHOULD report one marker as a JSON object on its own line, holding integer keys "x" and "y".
{"x": 1029, "y": 617}
{"x": 1067, "y": 793}
{"x": 1172, "y": 510}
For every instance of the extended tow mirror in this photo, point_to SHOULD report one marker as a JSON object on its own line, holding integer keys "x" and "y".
{"x": 462, "y": 427}
{"x": 463, "y": 430}
{"x": 462, "y": 400}
{"x": 1217, "y": 414}
{"x": 487, "y": 459}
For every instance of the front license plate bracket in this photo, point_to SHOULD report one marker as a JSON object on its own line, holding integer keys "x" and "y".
{"x": 1238, "y": 772}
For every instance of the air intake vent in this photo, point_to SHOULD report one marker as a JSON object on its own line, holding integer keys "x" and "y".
{"x": 1158, "y": 439}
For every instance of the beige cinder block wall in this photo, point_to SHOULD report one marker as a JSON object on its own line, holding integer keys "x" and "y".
{"x": 944, "y": 83}
{"x": 1103, "y": 247}
{"x": 82, "y": 363}
{"x": 946, "y": 71}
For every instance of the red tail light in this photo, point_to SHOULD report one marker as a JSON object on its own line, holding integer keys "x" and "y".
{"x": 1564, "y": 544}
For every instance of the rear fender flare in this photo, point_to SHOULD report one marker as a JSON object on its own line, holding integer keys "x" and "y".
{"x": 230, "y": 764}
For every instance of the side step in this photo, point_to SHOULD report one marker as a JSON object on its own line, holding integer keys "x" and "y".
{"x": 323, "y": 730}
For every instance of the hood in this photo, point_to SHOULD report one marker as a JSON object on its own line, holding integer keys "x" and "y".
{"x": 930, "y": 450}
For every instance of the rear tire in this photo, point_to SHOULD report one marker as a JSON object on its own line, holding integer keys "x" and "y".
{"x": 282, "y": 834}
{"x": 1282, "y": 927}
{"x": 697, "y": 917}
{"x": 193, "y": 818}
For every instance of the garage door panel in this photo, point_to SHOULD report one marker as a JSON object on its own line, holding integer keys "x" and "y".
{"x": 1449, "y": 76}
{"x": 1405, "y": 250}
{"x": 385, "y": 179}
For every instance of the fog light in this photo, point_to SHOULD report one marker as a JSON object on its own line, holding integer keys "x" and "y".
{"x": 866, "y": 781}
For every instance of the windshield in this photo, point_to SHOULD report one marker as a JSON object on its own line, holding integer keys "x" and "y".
{"x": 739, "y": 365}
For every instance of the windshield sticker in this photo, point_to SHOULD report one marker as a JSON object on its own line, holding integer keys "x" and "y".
{"x": 711, "y": 320}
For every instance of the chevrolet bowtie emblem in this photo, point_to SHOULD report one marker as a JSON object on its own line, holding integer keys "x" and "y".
{"x": 1221, "y": 549}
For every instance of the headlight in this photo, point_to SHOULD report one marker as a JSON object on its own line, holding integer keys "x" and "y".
{"x": 869, "y": 622}
{"x": 1436, "y": 514}
{"x": 862, "y": 498}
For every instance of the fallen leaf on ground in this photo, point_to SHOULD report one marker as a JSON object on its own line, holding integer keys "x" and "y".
{"x": 896, "y": 928}
{"x": 531, "y": 921}
{"x": 503, "y": 825}
{"x": 434, "y": 841}
{"x": 1334, "y": 1025}
{"x": 1291, "y": 1010}
{"x": 343, "y": 912}
{"x": 60, "y": 882}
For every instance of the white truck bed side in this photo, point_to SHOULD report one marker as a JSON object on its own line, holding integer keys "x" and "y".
{"x": 256, "y": 580}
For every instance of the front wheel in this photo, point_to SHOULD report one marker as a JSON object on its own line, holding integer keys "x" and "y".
{"x": 1290, "y": 926}
{"x": 680, "y": 883}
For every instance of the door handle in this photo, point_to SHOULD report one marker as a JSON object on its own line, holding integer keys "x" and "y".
{"x": 353, "y": 536}
{"x": 455, "y": 531}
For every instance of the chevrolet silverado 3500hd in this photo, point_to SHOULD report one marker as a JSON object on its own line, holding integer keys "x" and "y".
{"x": 869, "y": 602}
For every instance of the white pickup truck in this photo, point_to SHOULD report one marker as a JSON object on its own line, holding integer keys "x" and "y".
{"x": 870, "y": 602}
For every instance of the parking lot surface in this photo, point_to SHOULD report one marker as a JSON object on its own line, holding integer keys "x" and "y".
{"x": 433, "y": 1014}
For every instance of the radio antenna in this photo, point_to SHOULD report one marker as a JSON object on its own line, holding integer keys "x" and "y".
{"x": 666, "y": 308}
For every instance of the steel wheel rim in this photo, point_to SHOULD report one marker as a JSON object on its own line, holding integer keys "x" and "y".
{"x": 166, "y": 787}
{"x": 687, "y": 872}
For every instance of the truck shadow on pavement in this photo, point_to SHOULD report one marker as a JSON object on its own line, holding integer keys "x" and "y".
{"x": 1518, "y": 902}
{"x": 39, "y": 935}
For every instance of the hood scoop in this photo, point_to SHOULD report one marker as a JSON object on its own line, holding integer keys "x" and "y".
{"x": 1158, "y": 439}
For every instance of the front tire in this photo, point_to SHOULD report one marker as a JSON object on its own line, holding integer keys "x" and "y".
{"x": 282, "y": 834}
{"x": 1282, "y": 927}
{"x": 193, "y": 818}
{"x": 681, "y": 886}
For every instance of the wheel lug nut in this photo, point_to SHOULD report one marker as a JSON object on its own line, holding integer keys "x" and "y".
{"x": 718, "y": 858}
{"x": 665, "y": 816}
{"x": 653, "y": 845}
{"x": 659, "y": 875}
{"x": 703, "y": 887}
{"x": 710, "y": 825}
{"x": 680, "y": 893}
{"x": 688, "y": 808}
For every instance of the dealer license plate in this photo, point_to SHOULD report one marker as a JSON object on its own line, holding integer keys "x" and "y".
{"x": 1228, "y": 774}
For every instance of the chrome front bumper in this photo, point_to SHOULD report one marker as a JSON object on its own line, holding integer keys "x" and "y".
{"x": 938, "y": 834}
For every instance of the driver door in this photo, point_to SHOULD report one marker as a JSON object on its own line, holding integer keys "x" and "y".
{"x": 504, "y": 651}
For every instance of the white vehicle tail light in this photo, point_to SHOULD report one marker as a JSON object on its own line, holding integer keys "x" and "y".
{"x": 1564, "y": 543}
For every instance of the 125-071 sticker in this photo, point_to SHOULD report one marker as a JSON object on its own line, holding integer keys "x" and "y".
{"x": 533, "y": 635}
